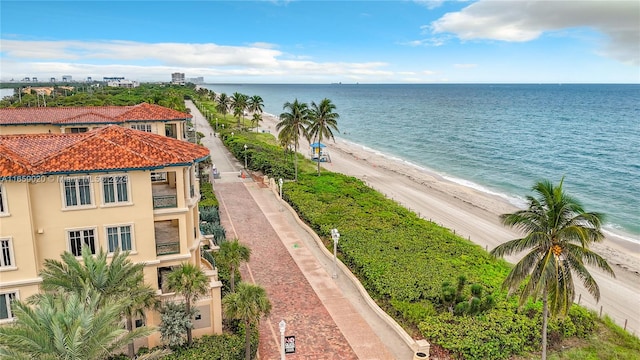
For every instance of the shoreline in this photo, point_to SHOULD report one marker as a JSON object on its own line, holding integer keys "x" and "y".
{"x": 474, "y": 214}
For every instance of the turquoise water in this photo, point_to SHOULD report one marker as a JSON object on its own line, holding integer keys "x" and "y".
{"x": 497, "y": 138}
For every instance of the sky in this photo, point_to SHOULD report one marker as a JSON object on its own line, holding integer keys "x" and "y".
{"x": 303, "y": 41}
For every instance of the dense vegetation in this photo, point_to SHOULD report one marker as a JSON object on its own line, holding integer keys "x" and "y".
{"x": 171, "y": 96}
{"x": 411, "y": 266}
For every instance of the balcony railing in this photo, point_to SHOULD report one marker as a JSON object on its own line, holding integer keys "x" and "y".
{"x": 168, "y": 248}
{"x": 165, "y": 201}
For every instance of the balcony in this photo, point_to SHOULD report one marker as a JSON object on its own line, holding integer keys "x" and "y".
{"x": 167, "y": 236}
{"x": 164, "y": 195}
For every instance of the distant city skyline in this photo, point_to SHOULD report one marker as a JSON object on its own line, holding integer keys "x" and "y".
{"x": 484, "y": 41}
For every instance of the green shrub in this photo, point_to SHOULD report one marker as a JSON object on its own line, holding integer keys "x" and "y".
{"x": 219, "y": 347}
{"x": 415, "y": 312}
{"x": 207, "y": 197}
{"x": 210, "y": 214}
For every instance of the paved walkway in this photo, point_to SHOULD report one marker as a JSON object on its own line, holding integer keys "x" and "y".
{"x": 328, "y": 316}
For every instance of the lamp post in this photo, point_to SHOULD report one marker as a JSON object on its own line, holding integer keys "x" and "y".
{"x": 245, "y": 156}
{"x": 283, "y": 326}
{"x": 335, "y": 235}
{"x": 280, "y": 182}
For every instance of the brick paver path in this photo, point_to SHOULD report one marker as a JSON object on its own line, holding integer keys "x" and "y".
{"x": 272, "y": 267}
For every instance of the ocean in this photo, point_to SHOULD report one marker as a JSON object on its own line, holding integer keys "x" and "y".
{"x": 498, "y": 138}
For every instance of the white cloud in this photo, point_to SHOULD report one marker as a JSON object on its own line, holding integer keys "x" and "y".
{"x": 520, "y": 21}
{"x": 155, "y": 61}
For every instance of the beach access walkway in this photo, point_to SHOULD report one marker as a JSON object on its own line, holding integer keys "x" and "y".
{"x": 329, "y": 317}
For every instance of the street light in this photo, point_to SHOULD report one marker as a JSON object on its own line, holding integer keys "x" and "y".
{"x": 335, "y": 235}
{"x": 245, "y": 156}
{"x": 280, "y": 182}
{"x": 283, "y": 326}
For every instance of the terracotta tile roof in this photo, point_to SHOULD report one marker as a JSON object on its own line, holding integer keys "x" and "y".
{"x": 109, "y": 148}
{"x": 89, "y": 114}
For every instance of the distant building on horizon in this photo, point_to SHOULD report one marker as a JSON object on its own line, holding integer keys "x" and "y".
{"x": 67, "y": 78}
{"x": 196, "y": 80}
{"x": 123, "y": 83}
{"x": 177, "y": 79}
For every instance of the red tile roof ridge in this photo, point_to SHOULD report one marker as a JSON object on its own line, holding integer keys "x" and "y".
{"x": 12, "y": 163}
{"x": 89, "y": 115}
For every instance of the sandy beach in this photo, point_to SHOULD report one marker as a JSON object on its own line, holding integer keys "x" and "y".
{"x": 474, "y": 215}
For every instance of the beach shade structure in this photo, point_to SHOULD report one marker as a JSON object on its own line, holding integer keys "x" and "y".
{"x": 317, "y": 154}
{"x": 318, "y": 145}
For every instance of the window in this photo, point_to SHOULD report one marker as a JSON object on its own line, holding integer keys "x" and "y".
{"x": 142, "y": 127}
{"x": 3, "y": 201}
{"x": 115, "y": 189}
{"x": 6, "y": 253}
{"x": 77, "y": 238}
{"x": 77, "y": 191}
{"x": 76, "y": 130}
{"x": 5, "y": 305}
{"x": 119, "y": 237}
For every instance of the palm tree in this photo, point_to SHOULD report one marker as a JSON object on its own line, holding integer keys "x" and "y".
{"x": 255, "y": 120}
{"x": 292, "y": 125}
{"x": 323, "y": 121}
{"x": 239, "y": 104}
{"x": 67, "y": 326}
{"x": 110, "y": 279}
{"x": 248, "y": 305}
{"x": 223, "y": 104}
{"x": 558, "y": 235}
{"x": 232, "y": 253}
{"x": 191, "y": 282}
{"x": 255, "y": 104}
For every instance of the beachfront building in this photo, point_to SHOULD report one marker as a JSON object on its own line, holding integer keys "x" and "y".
{"x": 151, "y": 118}
{"x": 123, "y": 83}
{"x": 110, "y": 187}
{"x": 177, "y": 78}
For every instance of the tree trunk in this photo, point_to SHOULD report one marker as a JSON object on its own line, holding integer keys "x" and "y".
{"x": 319, "y": 150}
{"x": 232, "y": 278}
{"x": 295, "y": 163}
{"x": 545, "y": 319}
{"x": 188, "y": 308}
{"x": 247, "y": 340}
{"x": 131, "y": 348}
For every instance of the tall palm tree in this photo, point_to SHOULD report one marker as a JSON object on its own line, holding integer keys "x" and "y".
{"x": 232, "y": 254}
{"x": 255, "y": 104}
{"x": 292, "y": 125}
{"x": 248, "y": 305}
{"x": 224, "y": 103}
{"x": 110, "y": 279}
{"x": 323, "y": 122}
{"x": 558, "y": 235}
{"x": 71, "y": 326}
{"x": 191, "y": 282}
{"x": 239, "y": 104}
